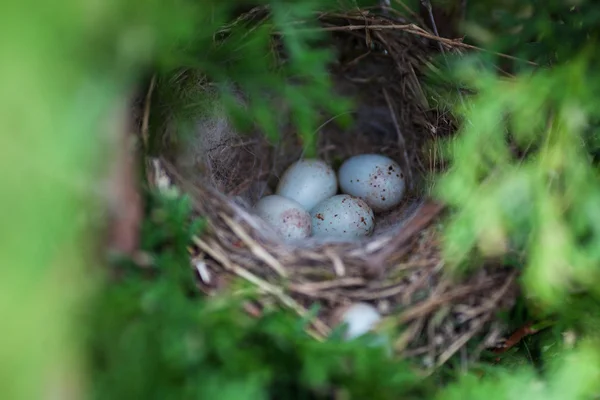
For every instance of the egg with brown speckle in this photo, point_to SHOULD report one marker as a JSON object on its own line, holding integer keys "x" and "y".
{"x": 376, "y": 179}
{"x": 286, "y": 216}
{"x": 342, "y": 216}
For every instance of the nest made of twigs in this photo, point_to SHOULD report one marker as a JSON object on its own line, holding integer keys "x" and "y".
{"x": 399, "y": 269}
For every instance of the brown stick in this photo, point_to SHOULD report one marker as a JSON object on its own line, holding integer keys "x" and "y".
{"x": 126, "y": 206}
{"x": 414, "y": 29}
{"x": 424, "y": 216}
{"x": 516, "y": 337}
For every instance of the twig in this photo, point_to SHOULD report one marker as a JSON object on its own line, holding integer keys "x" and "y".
{"x": 427, "y": 5}
{"x": 332, "y": 119}
{"x": 460, "y": 342}
{"x": 490, "y": 303}
{"x": 488, "y": 306}
{"x": 254, "y": 247}
{"x": 338, "y": 264}
{"x": 403, "y": 341}
{"x": 490, "y": 340}
{"x": 379, "y": 294}
{"x": 408, "y": 9}
{"x": 422, "y": 218}
{"x": 155, "y": 175}
{"x": 401, "y": 141}
{"x": 414, "y": 29}
{"x": 432, "y": 303}
{"x": 146, "y": 118}
{"x": 326, "y": 285}
{"x": 516, "y": 337}
{"x": 321, "y": 327}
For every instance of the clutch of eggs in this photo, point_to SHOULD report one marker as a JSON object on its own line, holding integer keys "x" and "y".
{"x": 306, "y": 202}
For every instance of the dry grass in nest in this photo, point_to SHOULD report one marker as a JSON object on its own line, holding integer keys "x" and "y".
{"x": 399, "y": 269}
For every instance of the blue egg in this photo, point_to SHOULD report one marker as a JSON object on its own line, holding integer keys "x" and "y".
{"x": 376, "y": 179}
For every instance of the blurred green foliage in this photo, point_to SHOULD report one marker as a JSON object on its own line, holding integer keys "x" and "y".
{"x": 276, "y": 64}
{"x": 572, "y": 375}
{"x": 524, "y": 176}
{"x": 63, "y": 71}
{"x": 546, "y": 32}
{"x": 524, "y": 185}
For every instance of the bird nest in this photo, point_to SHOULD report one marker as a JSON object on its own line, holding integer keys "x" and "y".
{"x": 399, "y": 269}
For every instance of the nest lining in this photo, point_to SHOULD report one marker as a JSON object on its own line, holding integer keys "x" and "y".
{"x": 398, "y": 268}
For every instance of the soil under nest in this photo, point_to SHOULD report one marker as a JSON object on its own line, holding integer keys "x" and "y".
{"x": 399, "y": 268}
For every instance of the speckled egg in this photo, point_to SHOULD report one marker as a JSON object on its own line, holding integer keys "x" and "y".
{"x": 376, "y": 179}
{"x": 308, "y": 182}
{"x": 286, "y": 216}
{"x": 342, "y": 216}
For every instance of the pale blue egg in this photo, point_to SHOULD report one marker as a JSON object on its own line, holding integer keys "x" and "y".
{"x": 342, "y": 217}
{"x": 289, "y": 219}
{"x": 376, "y": 179}
{"x": 308, "y": 182}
